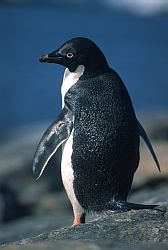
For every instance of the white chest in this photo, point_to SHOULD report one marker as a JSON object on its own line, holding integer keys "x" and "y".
{"x": 68, "y": 175}
{"x": 66, "y": 166}
{"x": 69, "y": 79}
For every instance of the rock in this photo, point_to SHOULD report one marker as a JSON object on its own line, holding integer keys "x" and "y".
{"x": 10, "y": 207}
{"x": 16, "y": 156}
{"x": 147, "y": 169}
{"x": 153, "y": 192}
{"x": 156, "y": 125}
{"x": 33, "y": 225}
{"x": 21, "y": 148}
{"x": 129, "y": 227}
{"x": 78, "y": 245}
{"x": 133, "y": 227}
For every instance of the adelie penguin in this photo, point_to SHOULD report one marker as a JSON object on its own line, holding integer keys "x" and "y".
{"x": 98, "y": 131}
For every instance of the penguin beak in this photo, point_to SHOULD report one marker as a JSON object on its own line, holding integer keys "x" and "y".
{"x": 53, "y": 57}
{"x": 43, "y": 58}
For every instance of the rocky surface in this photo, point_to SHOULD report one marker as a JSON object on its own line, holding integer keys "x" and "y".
{"x": 40, "y": 207}
{"x": 110, "y": 232}
{"x": 126, "y": 227}
{"x": 78, "y": 245}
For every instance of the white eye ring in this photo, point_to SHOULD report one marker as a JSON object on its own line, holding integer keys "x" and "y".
{"x": 70, "y": 55}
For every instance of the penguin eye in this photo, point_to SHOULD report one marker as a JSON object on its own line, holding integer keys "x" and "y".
{"x": 70, "y": 55}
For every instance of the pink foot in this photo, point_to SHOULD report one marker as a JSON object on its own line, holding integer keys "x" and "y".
{"x": 76, "y": 221}
{"x": 79, "y": 219}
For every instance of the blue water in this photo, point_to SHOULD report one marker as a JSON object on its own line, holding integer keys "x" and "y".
{"x": 136, "y": 47}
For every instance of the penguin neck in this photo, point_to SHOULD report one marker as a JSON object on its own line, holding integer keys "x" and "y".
{"x": 94, "y": 69}
{"x": 69, "y": 79}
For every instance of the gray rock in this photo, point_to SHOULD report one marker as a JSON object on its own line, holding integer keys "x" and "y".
{"x": 16, "y": 156}
{"x": 129, "y": 227}
{"x": 31, "y": 226}
{"x": 20, "y": 146}
{"x": 151, "y": 193}
{"x": 79, "y": 245}
{"x": 113, "y": 231}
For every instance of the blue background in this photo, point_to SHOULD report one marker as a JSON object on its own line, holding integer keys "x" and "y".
{"x": 135, "y": 46}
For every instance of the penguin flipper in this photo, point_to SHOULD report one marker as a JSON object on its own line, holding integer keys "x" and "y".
{"x": 146, "y": 139}
{"x": 54, "y": 136}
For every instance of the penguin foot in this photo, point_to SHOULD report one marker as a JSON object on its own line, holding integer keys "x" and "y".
{"x": 79, "y": 219}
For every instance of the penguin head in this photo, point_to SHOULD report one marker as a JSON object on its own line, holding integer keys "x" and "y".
{"x": 78, "y": 51}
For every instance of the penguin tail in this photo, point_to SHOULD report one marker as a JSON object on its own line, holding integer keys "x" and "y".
{"x": 123, "y": 206}
{"x": 139, "y": 206}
